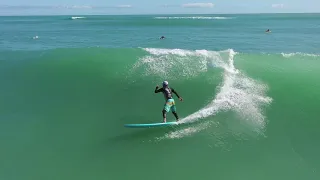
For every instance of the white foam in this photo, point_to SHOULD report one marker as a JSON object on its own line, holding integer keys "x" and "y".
{"x": 174, "y": 63}
{"x": 75, "y": 17}
{"x": 178, "y": 134}
{"x": 194, "y": 17}
{"x": 178, "y": 52}
{"x": 237, "y": 92}
{"x": 288, "y": 55}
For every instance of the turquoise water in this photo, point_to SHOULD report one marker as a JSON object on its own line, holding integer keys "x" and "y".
{"x": 250, "y": 109}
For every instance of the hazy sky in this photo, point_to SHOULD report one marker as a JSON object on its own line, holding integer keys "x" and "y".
{"x": 23, "y": 7}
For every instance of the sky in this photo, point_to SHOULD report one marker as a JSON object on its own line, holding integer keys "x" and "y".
{"x": 85, "y": 7}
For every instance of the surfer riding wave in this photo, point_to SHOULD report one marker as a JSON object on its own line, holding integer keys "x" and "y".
{"x": 170, "y": 103}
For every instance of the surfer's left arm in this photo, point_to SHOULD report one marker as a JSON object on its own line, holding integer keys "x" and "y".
{"x": 176, "y": 93}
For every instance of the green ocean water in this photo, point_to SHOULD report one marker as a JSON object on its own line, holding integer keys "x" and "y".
{"x": 250, "y": 109}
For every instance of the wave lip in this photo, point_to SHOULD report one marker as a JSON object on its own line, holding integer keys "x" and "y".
{"x": 193, "y": 17}
{"x": 175, "y": 63}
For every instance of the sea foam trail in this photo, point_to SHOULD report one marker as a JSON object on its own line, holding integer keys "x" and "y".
{"x": 237, "y": 92}
{"x": 184, "y": 132}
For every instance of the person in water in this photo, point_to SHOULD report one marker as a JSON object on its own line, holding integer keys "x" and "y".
{"x": 162, "y": 37}
{"x": 170, "y": 104}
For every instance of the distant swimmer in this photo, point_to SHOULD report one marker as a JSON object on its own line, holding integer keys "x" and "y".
{"x": 169, "y": 104}
{"x": 267, "y": 31}
{"x": 162, "y": 37}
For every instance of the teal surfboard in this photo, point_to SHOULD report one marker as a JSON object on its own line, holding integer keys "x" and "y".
{"x": 150, "y": 125}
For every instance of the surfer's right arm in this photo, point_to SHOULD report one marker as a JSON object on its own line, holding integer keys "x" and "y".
{"x": 158, "y": 90}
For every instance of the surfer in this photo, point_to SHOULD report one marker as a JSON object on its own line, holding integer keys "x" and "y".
{"x": 162, "y": 37}
{"x": 170, "y": 104}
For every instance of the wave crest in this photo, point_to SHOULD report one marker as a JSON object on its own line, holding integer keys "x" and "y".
{"x": 176, "y": 63}
{"x": 288, "y": 55}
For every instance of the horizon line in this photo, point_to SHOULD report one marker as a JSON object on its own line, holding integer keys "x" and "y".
{"x": 130, "y": 14}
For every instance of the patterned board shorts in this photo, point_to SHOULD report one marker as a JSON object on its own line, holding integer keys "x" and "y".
{"x": 170, "y": 105}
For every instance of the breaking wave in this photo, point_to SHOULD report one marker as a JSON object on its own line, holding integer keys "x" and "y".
{"x": 237, "y": 92}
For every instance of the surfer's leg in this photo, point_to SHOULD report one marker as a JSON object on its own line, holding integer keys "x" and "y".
{"x": 164, "y": 115}
{"x": 174, "y": 110}
{"x": 166, "y": 109}
{"x": 175, "y": 115}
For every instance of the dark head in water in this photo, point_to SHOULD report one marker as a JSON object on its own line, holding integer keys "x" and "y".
{"x": 162, "y": 37}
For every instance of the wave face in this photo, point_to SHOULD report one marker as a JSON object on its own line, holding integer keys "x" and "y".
{"x": 250, "y": 99}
